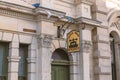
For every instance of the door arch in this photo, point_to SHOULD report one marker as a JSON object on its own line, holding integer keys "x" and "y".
{"x": 60, "y": 65}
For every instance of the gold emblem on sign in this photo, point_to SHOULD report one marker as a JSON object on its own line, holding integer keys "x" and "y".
{"x": 73, "y": 41}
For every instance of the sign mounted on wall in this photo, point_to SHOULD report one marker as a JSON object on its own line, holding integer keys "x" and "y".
{"x": 73, "y": 41}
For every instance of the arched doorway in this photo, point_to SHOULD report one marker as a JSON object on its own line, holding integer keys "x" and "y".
{"x": 60, "y": 65}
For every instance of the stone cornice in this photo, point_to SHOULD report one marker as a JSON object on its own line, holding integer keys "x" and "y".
{"x": 16, "y": 11}
{"x": 55, "y": 13}
{"x": 88, "y": 21}
{"x": 67, "y": 1}
{"x": 16, "y": 7}
{"x": 84, "y": 1}
{"x": 27, "y": 13}
{"x": 16, "y": 14}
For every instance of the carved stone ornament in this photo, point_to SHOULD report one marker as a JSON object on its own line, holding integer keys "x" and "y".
{"x": 115, "y": 24}
{"x": 44, "y": 40}
{"x": 86, "y": 46}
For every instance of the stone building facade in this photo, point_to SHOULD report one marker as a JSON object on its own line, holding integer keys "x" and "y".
{"x": 33, "y": 40}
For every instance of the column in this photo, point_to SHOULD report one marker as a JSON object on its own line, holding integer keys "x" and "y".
{"x": 13, "y": 58}
{"x": 32, "y": 60}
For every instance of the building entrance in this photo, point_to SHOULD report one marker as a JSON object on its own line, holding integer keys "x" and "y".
{"x": 60, "y": 65}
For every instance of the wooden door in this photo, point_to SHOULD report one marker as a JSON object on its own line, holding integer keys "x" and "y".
{"x": 60, "y": 72}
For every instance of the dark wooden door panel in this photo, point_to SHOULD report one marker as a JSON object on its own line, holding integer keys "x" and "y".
{"x": 60, "y": 72}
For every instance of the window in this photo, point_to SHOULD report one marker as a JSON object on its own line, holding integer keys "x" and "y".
{"x": 23, "y": 53}
{"x": 3, "y": 60}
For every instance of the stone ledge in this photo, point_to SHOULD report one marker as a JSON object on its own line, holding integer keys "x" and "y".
{"x": 102, "y": 57}
{"x": 102, "y": 73}
{"x": 101, "y": 41}
{"x": 92, "y": 22}
{"x": 55, "y": 13}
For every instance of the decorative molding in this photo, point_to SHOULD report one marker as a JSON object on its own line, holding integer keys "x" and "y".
{"x": 89, "y": 2}
{"x": 43, "y": 17}
{"x": 10, "y": 13}
{"x": 16, "y": 32}
{"x": 87, "y": 46}
{"x": 13, "y": 59}
{"x": 44, "y": 40}
{"x": 67, "y": 1}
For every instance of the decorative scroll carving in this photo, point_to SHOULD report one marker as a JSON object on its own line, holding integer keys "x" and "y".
{"x": 45, "y": 40}
{"x": 86, "y": 46}
{"x": 115, "y": 24}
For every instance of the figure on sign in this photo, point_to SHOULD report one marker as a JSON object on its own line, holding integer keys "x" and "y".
{"x": 73, "y": 43}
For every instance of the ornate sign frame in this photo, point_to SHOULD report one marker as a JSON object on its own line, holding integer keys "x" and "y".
{"x": 73, "y": 41}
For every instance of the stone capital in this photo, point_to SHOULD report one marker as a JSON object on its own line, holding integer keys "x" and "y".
{"x": 44, "y": 40}
{"x": 86, "y": 46}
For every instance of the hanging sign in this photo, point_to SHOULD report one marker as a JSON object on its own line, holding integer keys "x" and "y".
{"x": 73, "y": 41}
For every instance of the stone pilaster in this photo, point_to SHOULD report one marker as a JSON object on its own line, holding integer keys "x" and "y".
{"x": 32, "y": 60}
{"x": 86, "y": 51}
{"x": 102, "y": 55}
{"x": 13, "y": 58}
{"x": 44, "y": 57}
{"x": 74, "y": 67}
